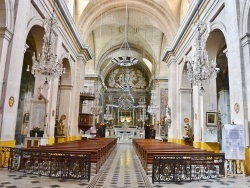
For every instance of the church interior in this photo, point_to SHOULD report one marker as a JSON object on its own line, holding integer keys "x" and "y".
{"x": 124, "y": 92}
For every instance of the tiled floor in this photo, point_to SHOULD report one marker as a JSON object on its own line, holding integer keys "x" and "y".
{"x": 121, "y": 170}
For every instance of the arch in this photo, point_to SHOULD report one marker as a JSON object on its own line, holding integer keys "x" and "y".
{"x": 220, "y": 26}
{"x": 184, "y": 79}
{"x": 67, "y": 78}
{"x": 7, "y": 14}
{"x": 33, "y": 22}
{"x": 162, "y": 17}
{"x": 245, "y": 20}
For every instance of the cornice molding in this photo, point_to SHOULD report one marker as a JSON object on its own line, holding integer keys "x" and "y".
{"x": 70, "y": 24}
{"x": 191, "y": 14}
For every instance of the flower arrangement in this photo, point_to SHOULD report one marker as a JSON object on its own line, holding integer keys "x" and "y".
{"x": 36, "y": 129}
{"x": 36, "y": 132}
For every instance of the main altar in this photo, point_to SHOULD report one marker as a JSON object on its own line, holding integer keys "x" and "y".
{"x": 124, "y": 134}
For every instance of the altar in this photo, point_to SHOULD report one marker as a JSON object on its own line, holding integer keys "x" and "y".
{"x": 125, "y": 135}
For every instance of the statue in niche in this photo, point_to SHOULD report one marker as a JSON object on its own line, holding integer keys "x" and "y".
{"x": 141, "y": 80}
{"x": 61, "y": 126}
{"x": 125, "y": 124}
{"x": 187, "y": 127}
{"x": 168, "y": 114}
{"x": 188, "y": 131}
{"x": 111, "y": 80}
{"x": 162, "y": 120}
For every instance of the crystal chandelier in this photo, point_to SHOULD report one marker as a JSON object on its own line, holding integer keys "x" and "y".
{"x": 47, "y": 66}
{"x": 153, "y": 108}
{"x": 96, "y": 109}
{"x": 200, "y": 69}
{"x": 127, "y": 58}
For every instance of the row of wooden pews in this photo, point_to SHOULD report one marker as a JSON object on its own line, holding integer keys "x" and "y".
{"x": 99, "y": 148}
{"x": 167, "y": 157}
{"x": 64, "y": 160}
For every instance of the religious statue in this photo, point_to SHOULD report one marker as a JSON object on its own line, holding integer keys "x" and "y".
{"x": 188, "y": 131}
{"x": 168, "y": 114}
{"x": 61, "y": 126}
{"x": 125, "y": 124}
{"x": 162, "y": 120}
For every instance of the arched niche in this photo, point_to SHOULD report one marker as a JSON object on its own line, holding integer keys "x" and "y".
{"x": 217, "y": 50}
{"x": 64, "y": 95}
{"x": 27, "y": 84}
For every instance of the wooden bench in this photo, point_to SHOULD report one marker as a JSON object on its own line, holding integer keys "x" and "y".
{"x": 166, "y": 155}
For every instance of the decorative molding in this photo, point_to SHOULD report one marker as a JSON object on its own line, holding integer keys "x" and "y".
{"x": 6, "y": 33}
{"x": 66, "y": 87}
{"x": 245, "y": 40}
{"x": 26, "y": 46}
{"x": 135, "y": 78}
{"x": 186, "y": 23}
{"x": 67, "y": 18}
{"x": 185, "y": 90}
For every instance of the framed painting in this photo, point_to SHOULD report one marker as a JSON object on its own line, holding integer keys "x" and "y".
{"x": 26, "y": 118}
{"x": 211, "y": 119}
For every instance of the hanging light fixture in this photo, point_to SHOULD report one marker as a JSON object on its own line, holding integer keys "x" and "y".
{"x": 153, "y": 107}
{"x": 96, "y": 109}
{"x": 48, "y": 66}
{"x": 127, "y": 58}
{"x": 200, "y": 69}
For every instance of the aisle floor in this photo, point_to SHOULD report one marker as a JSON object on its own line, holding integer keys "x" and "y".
{"x": 121, "y": 170}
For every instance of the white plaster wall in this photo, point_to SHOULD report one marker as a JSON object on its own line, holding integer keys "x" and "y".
{"x": 14, "y": 62}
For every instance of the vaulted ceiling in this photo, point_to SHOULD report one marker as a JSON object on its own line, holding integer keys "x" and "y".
{"x": 151, "y": 25}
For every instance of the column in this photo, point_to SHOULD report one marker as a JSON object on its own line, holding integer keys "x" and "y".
{"x": 186, "y": 110}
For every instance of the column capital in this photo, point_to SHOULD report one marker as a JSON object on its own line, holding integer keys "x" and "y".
{"x": 6, "y": 33}
{"x": 245, "y": 40}
{"x": 225, "y": 52}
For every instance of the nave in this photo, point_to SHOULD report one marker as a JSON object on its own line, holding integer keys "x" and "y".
{"x": 121, "y": 170}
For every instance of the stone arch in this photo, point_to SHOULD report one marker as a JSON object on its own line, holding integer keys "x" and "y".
{"x": 184, "y": 79}
{"x": 185, "y": 99}
{"x": 35, "y": 21}
{"x": 7, "y": 14}
{"x": 218, "y": 26}
{"x": 28, "y": 83}
{"x": 67, "y": 78}
{"x": 65, "y": 93}
{"x": 216, "y": 46}
{"x": 163, "y": 18}
{"x": 245, "y": 20}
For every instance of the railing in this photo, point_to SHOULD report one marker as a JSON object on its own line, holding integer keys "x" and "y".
{"x": 187, "y": 168}
{"x": 74, "y": 165}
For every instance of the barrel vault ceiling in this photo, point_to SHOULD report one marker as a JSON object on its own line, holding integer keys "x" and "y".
{"x": 151, "y": 25}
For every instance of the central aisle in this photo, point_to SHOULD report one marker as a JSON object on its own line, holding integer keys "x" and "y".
{"x": 122, "y": 169}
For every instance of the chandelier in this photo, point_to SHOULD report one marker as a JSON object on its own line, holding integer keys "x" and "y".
{"x": 47, "y": 66}
{"x": 127, "y": 58}
{"x": 153, "y": 108}
{"x": 96, "y": 109}
{"x": 200, "y": 69}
